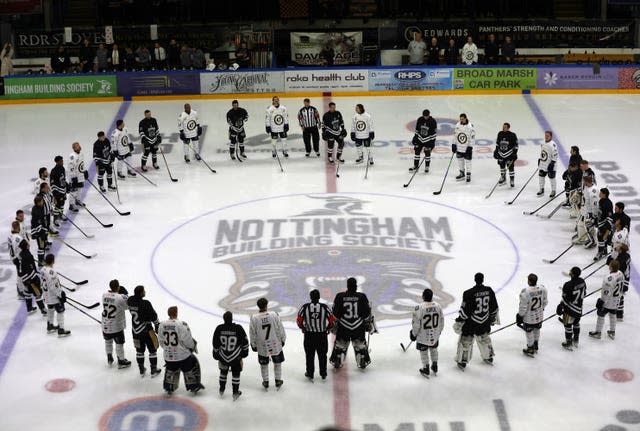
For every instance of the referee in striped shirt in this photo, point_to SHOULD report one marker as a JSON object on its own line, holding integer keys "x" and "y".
{"x": 309, "y": 119}
{"x": 315, "y": 320}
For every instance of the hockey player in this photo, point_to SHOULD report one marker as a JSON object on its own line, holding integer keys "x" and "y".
{"x": 121, "y": 148}
{"x": 506, "y": 153}
{"x": 609, "y": 300}
{"x": 43, "y": 177}
{"x": 309, "y": 119}
{"x": 39, "y": 230}
{"x": 574, "y": 155}
{"x": 59, "y": 189}
{"x": 333, "y": 131}
{"x": 30, "y": 279}
{"x": 587, "y": 171}
{"x": 547, "y": 163}
{"x": 618, "y": 213}
{"x": 315, "y": 320}
{"x": 424, "y": 139}
{"x": 533, "y": 301}
{"x": 588, "y": 213}
{"x": 144, "y": 323}
{"x": 54, "y": 297}
{"x": 362, "y": 133}
{"x": 114, "y": 303}
{"x": 267, "y": 337}
{"x": 465, "y": 137}
{"x": 605, "y": 222}
{"x": 78, "y": 173}
{"x": 478, "y": 312}
{"x": 230, "y": 345}
{"x": 572, "y": 184}
{"x": 24, "y": 233}
{"x": 620, "y": 236}
{"x": 236, "y": 117}
{"x": 179, "y": 347}
{"x": 426, "y": 326}
{"x": 570, "y": 309}
{"x": 150, "y": 139}
{"x": 353, "y": 313}
{"x": 624, "y": 259}
{"x": 276, "y": 124}
{"x": 190, "y": 131}
{"x": 47, "y": 199}
{"x": 103, "y": 157}
{"x": 13, "y": 245}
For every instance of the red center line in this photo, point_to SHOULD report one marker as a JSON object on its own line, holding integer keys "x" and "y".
{"x": 341, "y": 407}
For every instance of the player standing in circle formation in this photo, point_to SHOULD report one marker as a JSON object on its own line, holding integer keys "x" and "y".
{"x": 121, "y": 148}
{"x": 424, "y": 139}
{"x": 547, "y": 163}
{"x": 267, "y": 337}
{"x": 276, "y": 124}
{"x": 465, "y": 137}
{"x": 190, "y": 132}
{"x": 236, "y": 117}
{"x": 506, "y": 153}
{"x": 533, "y": 301}
{"x": 362, "y": 133}
{"x": 150, "y": 138}
{"x": 426, "y": 326}
{"x": 333, "y": 131}
{"x": 78, "y": 174}
{"x": 230, "y": 346}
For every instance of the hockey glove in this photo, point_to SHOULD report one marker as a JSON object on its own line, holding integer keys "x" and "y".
{"x": 216, "y": 355}
{"x": 63, "y": 297}
{"x": 268, "y": 129}
{"x": 560, "y": 309}
{"x": 519, "y": 319}
{"x": 159, "y": 140}
{"x": 372, "y": 135}
{"x": 457, "y": 327}
{"x": 495, "y": 154}
{"x": 131, "y": 147}
{"x": 199, "y": 130}
{"x": 343, "y": 133}
{"x": 599, "y": 304}
{"x": 114, "y": 155}
{"x": 411, "y": 336}
{"x": 514, "y": 155}
{"x": 156, "y": 326}
{"x": 182, "y": 137}
{"x": 86, "y": 175}
{"x": 353, "y": 136}
{"x": 286, "y": 128}
{"x": 454, "y": 148}
{"x": 123, "y": 291}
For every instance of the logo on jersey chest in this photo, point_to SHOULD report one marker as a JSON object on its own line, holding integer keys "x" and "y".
{"x": 278, "y": 120}
{"x": 361, "y": 125}
{"x": 462, "y": 138}
{"x": 191, "y": 125}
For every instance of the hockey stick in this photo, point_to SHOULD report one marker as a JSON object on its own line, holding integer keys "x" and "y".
{"x": 275, "y": 148}
{"x": 445, "y": 175}
{"x": 595, "y": 270}
{"x": 566, "y": 274}
{"x": 115, "y": 179}
{"x": 338, "y": 168}
{"x": 505, "y": 327}
{"x": 542, "y": 206}
{"x": 551, "y": 214}
{"x": 404, "y": 349}
{"x": 78, "y": 227}
{"x": 573, "y": 243}
{"x": 107, "y": 199}
{"x": 523, "y": 187}
{"x": 237, "y": 150}
{"x": 498, "y": 182}
{"x": 366, "y": 169}
{"x": 201, "y": 159}
{"x": 175, "y": 180}
{"x": 89, "y": 307}
{"x": 139, "y": 173}
{"x": 86, "y": 256}
{"x": 70, "y": 289}
{"x": 77, "y": 283}
{"x": 96, "y": 218}
{"x": 85, "y": 313}
{"x": 415, "y": 171}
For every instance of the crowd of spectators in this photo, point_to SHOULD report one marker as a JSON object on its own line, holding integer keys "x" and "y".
{"x": 451, "y": 54}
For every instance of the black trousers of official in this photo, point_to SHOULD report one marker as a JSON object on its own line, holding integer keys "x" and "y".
{"x": 316, "y": 343}
{"x": 307, "y": 134}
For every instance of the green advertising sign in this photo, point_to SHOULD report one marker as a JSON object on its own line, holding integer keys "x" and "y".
{"x": 495, "y": 78}
{"x": 49, "y": 87}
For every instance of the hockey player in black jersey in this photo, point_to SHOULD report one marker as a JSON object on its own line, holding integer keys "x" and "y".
{"x": 144, "y": 323}
{"x": 39, "y": 226}
{"x": 104, "y": 159}
{"x": 605, "y": 222}
{"x": 506, "y": 153}
{"x": 478, "y": 312}
{"x": 570, "y": 309}
{"x": 333, "y": 131}
{"x": 619, "y": 214}
{"x": 150, "y": 139}
{"x": 230, "y": 345}
{"x": 572, "y": 182}
{"x": 31, "y": 279}
{"x": 58, "y": 189}
{"x": 236, "y": 117}
{"x": 353, "y": 314}
{"x": 424, "y": 138}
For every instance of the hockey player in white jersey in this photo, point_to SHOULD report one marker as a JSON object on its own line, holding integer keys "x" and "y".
{"x": 588, "y": 212}
{"x": 114, "y": 303}
{"x": 547, "y": 163}
{"x": 426, "y": 326}
{"x": 533, "y": 301}
{"x": 276, "y": 124}
{"x": 121, "y": 148}
{"x": 362, "y": 133}
{"x": 609, "y": 300}
{"x": 54, "y": 297}
{"x": 43, "y": 177}
{"x": 179, "y": 347}
{"x": 267, "y": 337}
{"x": 464, "y": 140}
{"x": 13, "y": 244}
{"x": 78, "y": 173}
{"x": 620, "y": 236}
{"x": 190, "y": 131}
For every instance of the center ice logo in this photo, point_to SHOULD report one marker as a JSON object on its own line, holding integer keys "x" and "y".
{"x": 154, "y": 414}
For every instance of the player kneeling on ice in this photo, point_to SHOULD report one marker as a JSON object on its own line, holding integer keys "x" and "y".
{"x": 465, "y": 137}
{"x": 179, "y": 348}
{"x": 267, "y": 338}
{"x": 353, "y": 313}
{"x": 54, "y": 297}
{"x": 230, "y": 345}
{"x": 478, "y": 312}
{"x": 114, "y": 303}
{"x": 533, "y": 300}
{"x": 609, "y": 300}
{"x": 426, "y": 327}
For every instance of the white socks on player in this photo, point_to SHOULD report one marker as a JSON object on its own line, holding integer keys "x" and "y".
{"x": 612, "y": 323}
{"x": 553, "y": 184}
{"x": 60, "y": 320}
{"x": 424, "y": 356}
{"x": 264, "y": 371}
{"x": 467, "y": 166}
{"x": 541, "y": 181}
{"x": 108, "y": 346}
{"x": 185, "y": 148}
{"x": 120, "y": 351}
{"x": 50, "y": 316}
{"x": 461, "y": 164}
{"x": 277, "y": 371}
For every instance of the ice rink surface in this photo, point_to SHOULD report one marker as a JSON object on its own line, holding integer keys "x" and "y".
{"x": 212, "y": 242}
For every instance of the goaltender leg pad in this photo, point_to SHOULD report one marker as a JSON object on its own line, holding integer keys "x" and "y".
{"x": 361, "y": 351}
{"x": 339, "y": 352}
{"x": 465, "y": 349}
{"x": 192, "y": 374}
{"x": 171, "y": 377}
{"x": 485, "y": 346}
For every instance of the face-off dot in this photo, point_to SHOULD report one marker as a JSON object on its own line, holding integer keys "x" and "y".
{"x": 60, "y": 385}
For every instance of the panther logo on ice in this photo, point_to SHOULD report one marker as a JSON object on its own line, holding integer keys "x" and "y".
{"x": 105, "y": 87}
{"x": 392, "y": 279}
{"x": 337, "y": 205}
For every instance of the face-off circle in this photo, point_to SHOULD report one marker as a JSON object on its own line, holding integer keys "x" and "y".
{"x": 60, "y": 385}
{"x": 618, "y": 375}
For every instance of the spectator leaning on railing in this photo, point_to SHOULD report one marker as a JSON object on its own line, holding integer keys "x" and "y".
{"x": 60, "y": 61}
{"x": 102, "y": 58}
{"x": 434, "y": 52}
{"x": 6, "y": 56}
{"x": 508, "y": 51}
{"x": 491, "y": 50}
{"x": 86, "y": 57}
{"x": 451, "y": 53}
{"x": 470, "y": 52}
{"x": 416, "y": 49}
